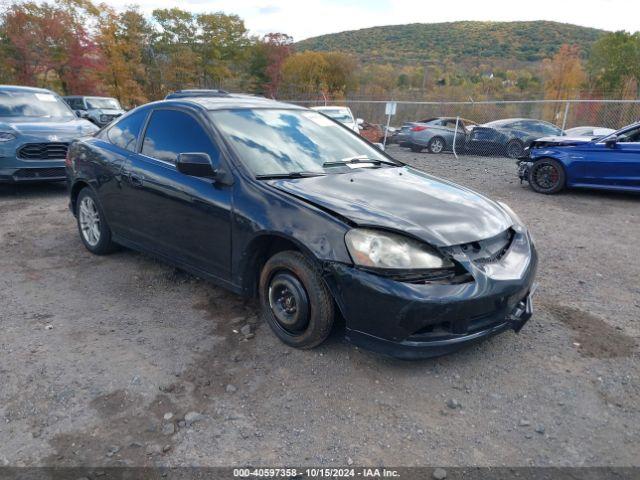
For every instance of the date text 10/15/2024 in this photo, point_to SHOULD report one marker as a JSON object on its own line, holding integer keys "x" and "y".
{"x": 315, "y": 473}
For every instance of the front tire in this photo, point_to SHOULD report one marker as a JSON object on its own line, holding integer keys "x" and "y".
{"x": 92, "y": 224}
{"x": 547, "y": 176}
{"x": 295, "y": 301}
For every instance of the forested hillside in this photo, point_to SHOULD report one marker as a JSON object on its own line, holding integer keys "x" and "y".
{"x": 456, "y": 41}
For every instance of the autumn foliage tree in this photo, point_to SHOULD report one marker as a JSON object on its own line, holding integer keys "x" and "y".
{"x": 44, "y": 40}
{"x": 331, "y": 73}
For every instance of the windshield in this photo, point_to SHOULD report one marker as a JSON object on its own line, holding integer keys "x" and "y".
{"x": 33, "y": 104}
{"x": 107, "y": 103}
{"x": 278, "y": 141}
{"x": 339, "y": 114}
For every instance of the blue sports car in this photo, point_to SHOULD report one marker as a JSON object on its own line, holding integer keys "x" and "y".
{"x": 36, "y": 126}
{"x": 611, "y": 162}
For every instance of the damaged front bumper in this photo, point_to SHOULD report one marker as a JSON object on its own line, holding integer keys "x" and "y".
{"x": 422, "y": 320}
{"x": 524, "y": 167}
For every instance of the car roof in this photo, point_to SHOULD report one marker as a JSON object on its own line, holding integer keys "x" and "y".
{"x": 87, "y": 96}
{"x": 231, "y": 101}
{"x": 19, "y": 88}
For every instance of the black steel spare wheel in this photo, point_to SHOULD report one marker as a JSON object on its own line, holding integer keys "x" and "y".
{"x": 294, "y": 300}
{"x": 289, "y": 302}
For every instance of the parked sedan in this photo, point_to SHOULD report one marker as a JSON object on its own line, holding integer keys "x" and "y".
{"x": 275, "y": 200}
{"x": 440, "y": 134}
{"x": 611, "y": 162}
{"x": 592, "y": 132}
{"x": 99, "y": 110}
{"x": 402, "y": 136}
{"x": 36, "y": 127}
{"x": 342, "y": 115}
{"x": 508, "y": 137}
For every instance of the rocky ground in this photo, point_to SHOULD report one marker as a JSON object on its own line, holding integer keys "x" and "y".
{"x": 122, "y": 360}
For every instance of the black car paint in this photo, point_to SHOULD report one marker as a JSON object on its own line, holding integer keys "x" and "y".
{"x": 222, "y": 230}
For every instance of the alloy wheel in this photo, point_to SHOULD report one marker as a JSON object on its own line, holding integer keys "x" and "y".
{"x": 547, "y": 176}
{"x": 436, "y": 145}
{"x": 89, "y": 221}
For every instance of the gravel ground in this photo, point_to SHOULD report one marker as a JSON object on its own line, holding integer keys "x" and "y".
{"x": 102, "y": 358}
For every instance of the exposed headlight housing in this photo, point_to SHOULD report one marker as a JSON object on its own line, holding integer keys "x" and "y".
{"x": 7, "y": 136}
{"x": 380, "y": 250}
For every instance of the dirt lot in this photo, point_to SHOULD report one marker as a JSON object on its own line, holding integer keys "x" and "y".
{"x": 101, "y": 358}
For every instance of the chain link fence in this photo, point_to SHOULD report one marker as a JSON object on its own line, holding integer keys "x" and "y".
{"x": 492, "y": 128}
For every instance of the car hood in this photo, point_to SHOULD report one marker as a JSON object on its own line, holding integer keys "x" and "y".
{"x": 406, "y": 200}
{"x": 64, "y": 128}
{"x": 559, "y": 141}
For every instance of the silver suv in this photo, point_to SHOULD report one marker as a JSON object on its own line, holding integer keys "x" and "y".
{"x": 99, "y": 110}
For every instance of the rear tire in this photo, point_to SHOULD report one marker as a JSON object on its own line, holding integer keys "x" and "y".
{"x": 515, "y": 149}
{"x": 437, "y": 145}
{"x": 547, "y": 176}
{"x": 92, "y": 223}
{"x": 295, "y": 301}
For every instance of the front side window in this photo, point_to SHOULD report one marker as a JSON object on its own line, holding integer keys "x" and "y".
{"x": 280, "y": 141}
{"x": 171, "y": 132}
{"x": 630, "y": 136}
{"x": 547, "y": 129}
{"x": 124, "y": 133}
{"x": 14, "y": 103}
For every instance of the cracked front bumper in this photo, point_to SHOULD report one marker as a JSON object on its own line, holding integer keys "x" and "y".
{"x": 411, "y": 321}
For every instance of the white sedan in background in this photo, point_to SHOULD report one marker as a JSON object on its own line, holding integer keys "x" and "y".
{"x": 342, "y": 115}
{"x": 588, "y": 132}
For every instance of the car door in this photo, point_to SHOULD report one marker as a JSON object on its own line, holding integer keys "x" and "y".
{"x": 179, "y": 216}
{"x": 617, "y": 165}
{"x": 118, "y": 143}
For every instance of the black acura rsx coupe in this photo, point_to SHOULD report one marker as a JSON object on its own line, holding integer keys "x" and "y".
{"x": 278, "y": 201}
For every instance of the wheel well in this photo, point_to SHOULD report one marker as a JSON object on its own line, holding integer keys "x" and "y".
{"x": 562, "y": 166}
{"x": 75, "y": 191}
{"x": 260, "y": 250}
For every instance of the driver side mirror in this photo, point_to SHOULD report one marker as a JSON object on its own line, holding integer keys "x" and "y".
{"x": 359, "y": 121}
{"x": 611, "y": 141}
{"x": 195, "y": 164}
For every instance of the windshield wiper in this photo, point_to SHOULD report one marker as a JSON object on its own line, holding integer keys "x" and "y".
{"x": 356, "y": 159}
{"x": 301, "y": 174}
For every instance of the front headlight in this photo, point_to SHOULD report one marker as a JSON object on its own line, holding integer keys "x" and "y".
{"x": 385, "y": 250}
{"x": 104, "y": 118}
{"x": 6, "y": 136}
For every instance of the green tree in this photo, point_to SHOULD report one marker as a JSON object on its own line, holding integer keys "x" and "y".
{"x": 614, "y": 65}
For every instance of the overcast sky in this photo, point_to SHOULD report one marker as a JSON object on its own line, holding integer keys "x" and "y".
{"x": 309, "y": 18}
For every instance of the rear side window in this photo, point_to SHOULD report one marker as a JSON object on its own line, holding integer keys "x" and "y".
{"x": 171, "y": 132}
{"x": 125, "y": 132}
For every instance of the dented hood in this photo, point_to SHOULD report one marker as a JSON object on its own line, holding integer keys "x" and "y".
{"x": 406, "y": 200}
